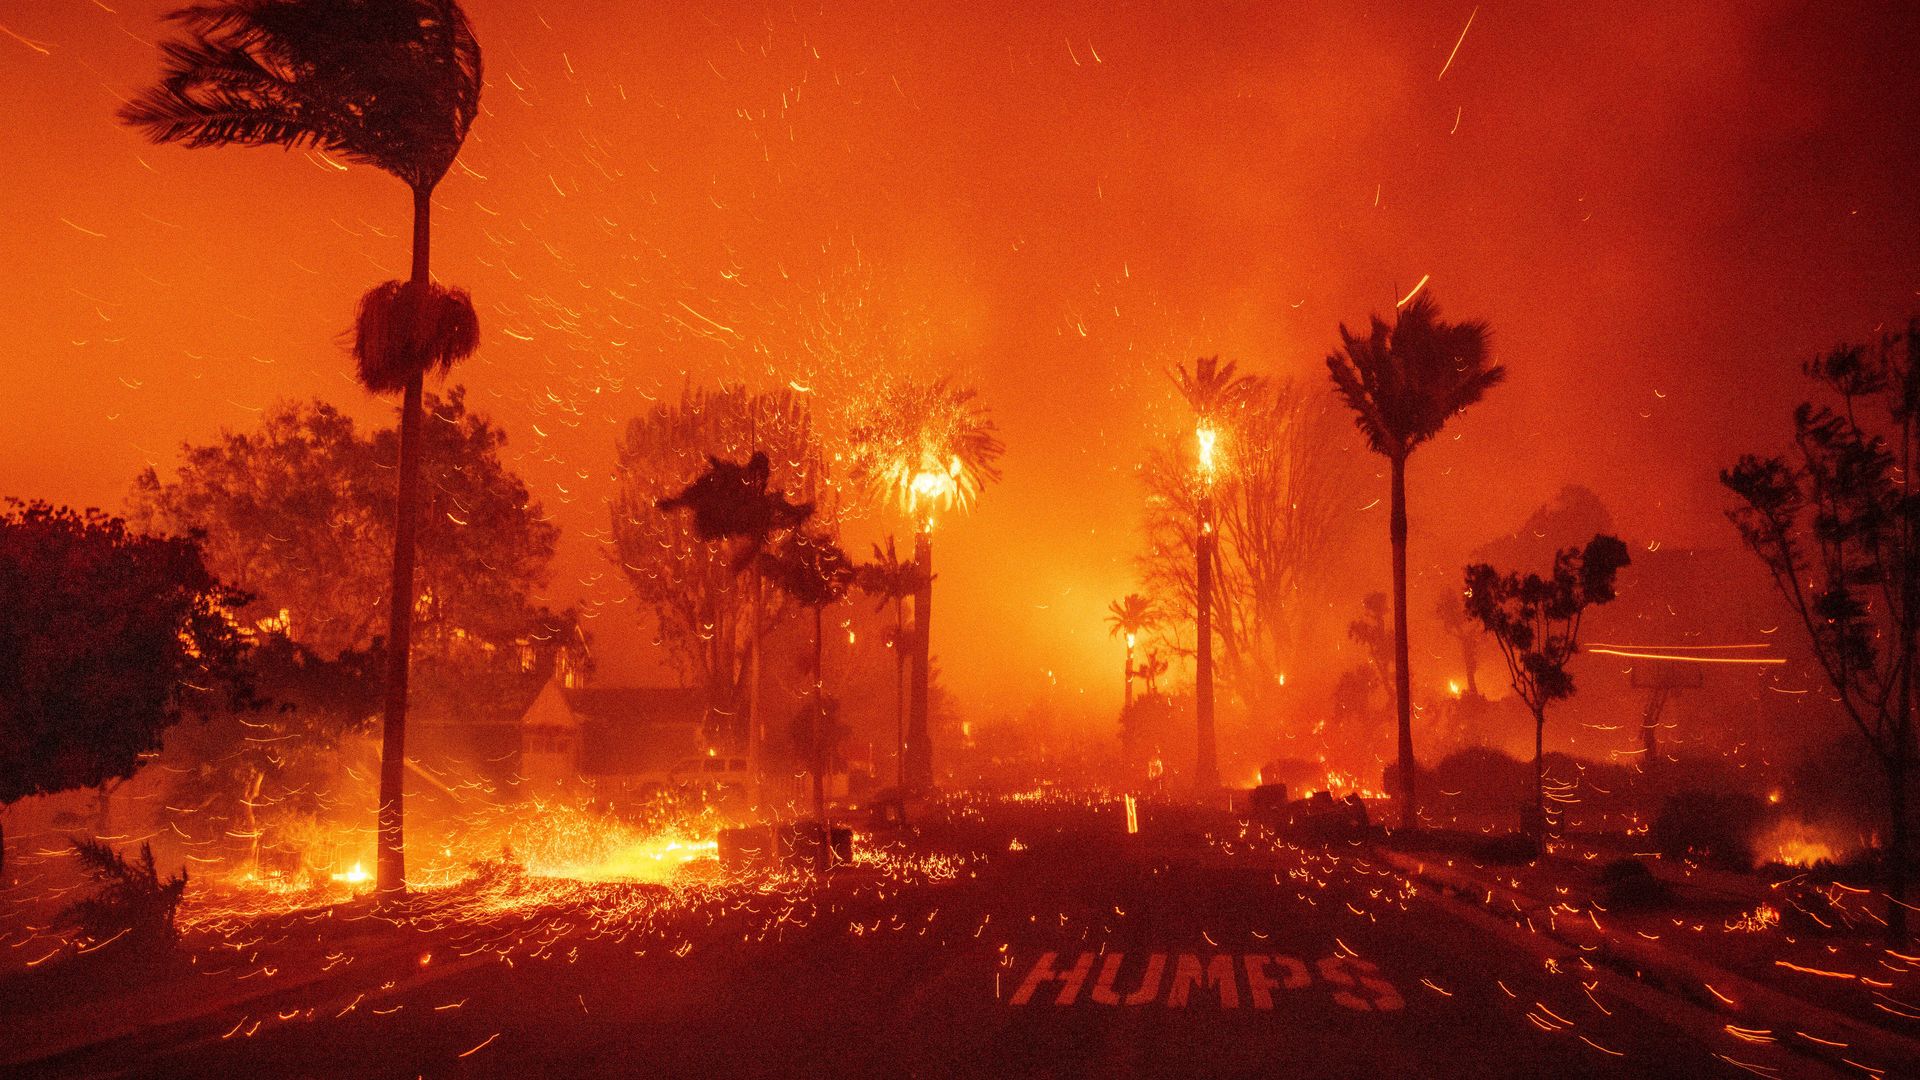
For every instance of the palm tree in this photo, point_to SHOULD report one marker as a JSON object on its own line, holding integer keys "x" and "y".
{"x": 732, "y": 501}
{"x": 1212, "y": 391}
{"x": 394, "y": 84}
{"x": 927, "y": 447}
{"x": 893, "y": 581}
{"x": 816, "y": 573}
{"x": 1403, "y": 383}
{"x": 1131, "y": 615}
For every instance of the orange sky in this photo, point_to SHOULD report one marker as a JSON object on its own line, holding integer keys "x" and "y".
{"x": 1660, "y": 213}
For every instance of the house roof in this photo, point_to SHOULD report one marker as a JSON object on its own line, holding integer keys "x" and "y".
{"x": 637, "y": 705}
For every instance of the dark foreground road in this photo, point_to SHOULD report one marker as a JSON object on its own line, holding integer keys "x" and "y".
{"x": 1065, "y": 948}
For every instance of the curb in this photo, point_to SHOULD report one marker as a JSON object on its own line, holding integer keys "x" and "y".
{"x": 1675, "y": 973}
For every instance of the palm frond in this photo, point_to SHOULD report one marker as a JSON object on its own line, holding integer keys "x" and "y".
{"x": 404, "y": 331}
{"x": 390, "y": 83}
{"x": 1404, "y": 381}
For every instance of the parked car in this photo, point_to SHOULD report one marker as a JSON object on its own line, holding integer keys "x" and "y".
{"x": 709, "y": 773}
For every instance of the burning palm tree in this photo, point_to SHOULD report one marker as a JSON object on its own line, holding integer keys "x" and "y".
{"x": 1404, "y": 382}
{"x": 1131, "y": 615}
{"x": 926, "y": 448}
{"x": 394, "y": 84}
{"x": 1212, "y": 391}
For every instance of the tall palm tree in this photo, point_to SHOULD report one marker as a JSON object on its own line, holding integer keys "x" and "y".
{"x": 1403, "y": 383}
{"x": 816, "y": 573}
{"x": 928, "y": 447}
{"x": 892, "y": 581}
{"x": 1213, "y": 391}
{"x": 1131, "y": 615}
{"x": 394, "y": 84}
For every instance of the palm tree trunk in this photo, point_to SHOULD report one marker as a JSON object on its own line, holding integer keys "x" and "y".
{"x": 1539, "y": 829}
{"x": 392, "y": 864}
{"x": 1899, "y": 847}
{"x": 1127, "y": 702}
{"x": 919, "y": 745}
{"x": 899, "y": 697}
{"x": 1206, "y": 773}
{"x": 756, "y": 743}
{"x": 819, "y": 754}
{"x": 1403, "y": 696}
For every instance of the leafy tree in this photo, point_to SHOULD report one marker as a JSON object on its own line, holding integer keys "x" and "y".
{"x": 1536, "y": 622}
{"x": 107, "y": 638}
{"x": 394, "y": 84}
{"x": 1838, "y": 525}
{"x": 1129, "y": 617}
{"x": 893, "y": 581}
{"x": 925, "y": 447}
{"x": 298, "y": 513}
{"x": 1404, "y": 381}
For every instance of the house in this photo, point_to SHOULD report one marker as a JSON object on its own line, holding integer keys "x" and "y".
{"x": 611, "y": 739}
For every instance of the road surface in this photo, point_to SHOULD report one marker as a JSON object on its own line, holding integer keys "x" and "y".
{"x": 1055, "y": 945}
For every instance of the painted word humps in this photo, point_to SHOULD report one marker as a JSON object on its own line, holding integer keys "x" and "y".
{"x": 1356, "y": 984}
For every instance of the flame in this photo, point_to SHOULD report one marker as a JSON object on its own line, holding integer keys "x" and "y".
{"x": 1795, "y": 843}
{"x": 356, "y": 876}
{"x": 1207, "y": 437}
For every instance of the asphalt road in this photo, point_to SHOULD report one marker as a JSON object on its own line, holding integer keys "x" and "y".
{"x": 1065, "y": 948}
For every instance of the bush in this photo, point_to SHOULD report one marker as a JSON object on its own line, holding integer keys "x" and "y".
{"x": 1627, "y": 883}
{"x": 1513, "y": 849}
{"x": 1715, "y": 826}
{"x": 134, "y": 909}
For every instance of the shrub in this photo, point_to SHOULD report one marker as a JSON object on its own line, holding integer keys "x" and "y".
{"x": 134, "y": 908}
{"x": 1628, "y": 883}
{"x": 1715, "y": 826}
{"x": 1513, "y": 849}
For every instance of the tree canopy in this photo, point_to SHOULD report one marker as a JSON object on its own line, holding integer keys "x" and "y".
{"x": 107, "y": 638}
{"x": 299, "y": 513}
{"x": 1536, "y": 620}
{"x": 695, "y": 587}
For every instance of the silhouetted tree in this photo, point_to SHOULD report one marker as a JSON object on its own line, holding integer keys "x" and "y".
{"x": 704, "y": 599}
{"x": 1370, "y": 632}
{"x": 924, "y": 447}
{"x": 1461, "y": 628}
{"x": 816, "y": 573}
{"x": 731, "y": 501}
{"x": 1838, "y": 525}
{"x": 1536, "y": 622}
{"x": 394, "y": 84}
{"x": 892, "y": 582}
{"x": 1129, "y": 617}
{"x": 107, "y": 638}
{"x": 1404, "y": 382}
